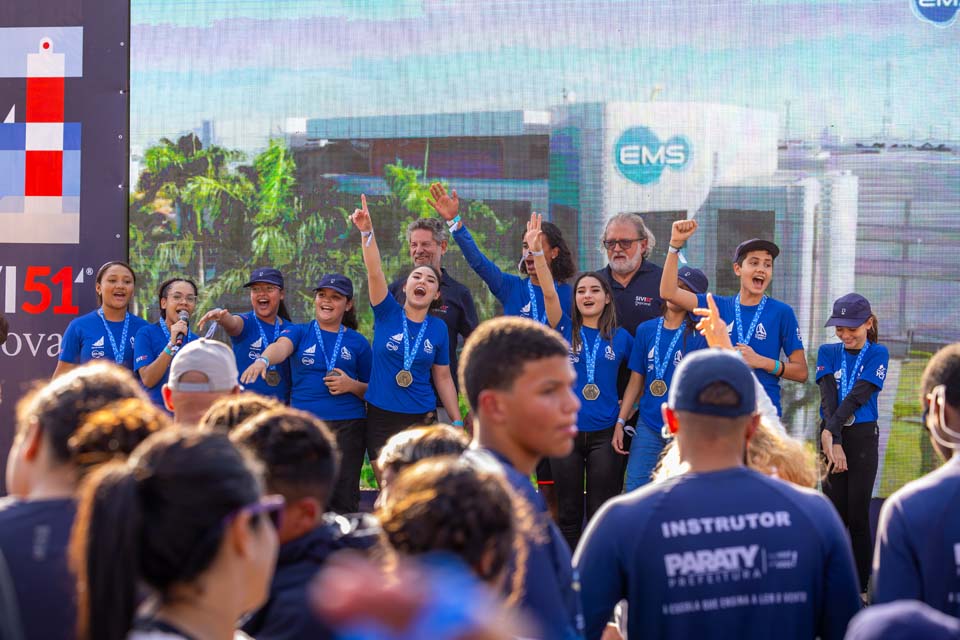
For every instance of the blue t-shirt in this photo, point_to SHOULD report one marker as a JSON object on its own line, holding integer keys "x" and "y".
{"x": 308, "y": 367}
{"x": 250, "y": 345}
{"x": 384, "y": 392}
{"x": 550, "y": 593}
{"x": 918, "y": 542}
{"x": 776, "y": 331}
{"x": 34, "y": 536}
{"x": 729, "y": 553}
{"x": 641, "y": 361}
{"x": 873, "y": 369}
{"x": 512, "y": 291}
{"x": 86, "y": 339}
{"x": 149, "y": 344}
{"x": 601, "y": 413}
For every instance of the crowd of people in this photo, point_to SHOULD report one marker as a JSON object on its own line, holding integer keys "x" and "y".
{"x": 617, "y": 467}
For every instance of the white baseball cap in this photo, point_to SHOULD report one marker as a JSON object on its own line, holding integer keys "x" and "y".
{"x": 211, "y": 358}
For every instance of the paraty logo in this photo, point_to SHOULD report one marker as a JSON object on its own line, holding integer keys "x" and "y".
{"x": 940, "y": 13}
{"x": 641, "y": 157}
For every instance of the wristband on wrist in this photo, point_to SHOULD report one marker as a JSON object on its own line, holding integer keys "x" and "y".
{"x": 783, "y": 368}
{"x": 265, "y": 360}
{"x": 776, "y": 368}
{"x": 457, "y": 423}
{"x": 621, "y": 421}
{"x": 170, "y": 351}
{"x": 673, "y": 249}
{"x": 367, "y": 237}
{"x": 454, "y": 222}
{"x": 536, "y": 253}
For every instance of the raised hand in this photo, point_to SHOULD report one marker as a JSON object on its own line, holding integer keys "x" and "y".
{"x": 361, "y": 217}
{"x": 712, "y": 326}
{"x": 216, "y": 315}
{"x": 533, "y": 237}
{"x": 254, "y": 371}
{"x": 681, "y": 232}
{"x": 446, "y": 205}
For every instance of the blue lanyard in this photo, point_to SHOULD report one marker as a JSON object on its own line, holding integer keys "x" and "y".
{"x": 117, "y": 353}
{"x": 409, "y": 355}
{"x": 330, "y": 362}
{"x": 533, "y": 305}
{"x": 590, "y": 355}
{"x": 753, "y": 323}
{"x": 846, "y": 386}
{"x": 660, "y": 368}
{"x": 166, "y": 331}
{"x": 263, "y": 336}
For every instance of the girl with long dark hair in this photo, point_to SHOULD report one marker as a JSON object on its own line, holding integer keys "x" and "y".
{"x": 108, "y": 331}
{"x": 184, "y": 516}
{"x": 251, "y": 333}
{"x": 156, "y": 344}
{"x": 330, "y": 370}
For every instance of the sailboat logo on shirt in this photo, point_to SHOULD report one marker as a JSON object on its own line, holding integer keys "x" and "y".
{"x": 345, "y": 354}
{"x": 96, "y": 350}
{"x": 761, "y": 332}
{"x": 255, "y": 349}
{"x": 427, "y": 346}
{"x": 881, "y": 372}
{"x": 730, "y": 328}
{"x": 525, "y": 309}
{"x": 609, "y": 354}
{"x": 677, "y": 357}
{"x": 306, "y": 358}
{"x": 258, "y": 344}
{"x": 393, "y": 344}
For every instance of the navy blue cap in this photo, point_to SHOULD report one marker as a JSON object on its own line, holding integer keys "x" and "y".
{"x": 851, "y": 310}
{"x": 266, "y": 275}
{"x": 337, "y": 282}
{"x": 699, "y": 370}
{"x": 755, "y": 244}
{"x": 903, "y": 620}
{"x": 694, "y": 278}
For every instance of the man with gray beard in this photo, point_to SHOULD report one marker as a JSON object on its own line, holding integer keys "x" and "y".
{"x": 635, "y": 280}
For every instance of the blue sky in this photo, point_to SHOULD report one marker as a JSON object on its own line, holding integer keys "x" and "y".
{"x": 248, "y": 64}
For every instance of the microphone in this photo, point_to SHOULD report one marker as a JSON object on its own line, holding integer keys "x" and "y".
{"x": 185, "y": 317}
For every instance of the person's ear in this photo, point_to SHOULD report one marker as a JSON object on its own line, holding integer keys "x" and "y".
{"x": 239, "y": 534}
{"x": 736, "y": 269}
{"x": 752, "y": 425}
{"x": 490, "y": 404}
{"x": 32, "y": 441}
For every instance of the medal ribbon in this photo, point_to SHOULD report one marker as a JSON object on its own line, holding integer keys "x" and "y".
{"x": 336, "y": 346}
{"x": 263, "y": 336}
{"x": 590, "y": 355}
{"x": 660, "y": 368}
{"x": 533, "y": 305}
{"x": 409, "y": 355}
{"x": 753, "y": 323}
{"x": 117, "y": 353}
{"x": 847, "y": 385}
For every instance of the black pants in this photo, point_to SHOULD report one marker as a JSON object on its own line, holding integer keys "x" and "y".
{"x": 594, "y": 456}
{"x": 352, "y": 442}
{"x": 382, "y": 424}
{"x": 852, "y": 490}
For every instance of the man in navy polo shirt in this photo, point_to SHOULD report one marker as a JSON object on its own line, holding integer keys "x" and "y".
{"x": 720, "y": 547}
{"x": 428, "y": 238}
{"x": 918, "y": 537}
{"x": 519, "y": 382}
{"x": 634, "y": 279}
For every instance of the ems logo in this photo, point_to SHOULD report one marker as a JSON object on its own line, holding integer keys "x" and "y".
{"x": 307, "y": 361}
{"x": 345, "y": 354}
{"x": 609, "y": 354}
{"x": 881, "y": 372}
{"x": 837, "y": 375}
{"x": 761, "y": 332}
{"x": 307, "y": 356}
{"x": 427, "y": 346}
{"x": 255, "y": 349}
{"x": 97, "y": 348}
{"x": 393, "y": 344}
{"x": 574, "y": 358}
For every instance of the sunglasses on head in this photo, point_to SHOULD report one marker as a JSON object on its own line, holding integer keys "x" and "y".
{"x": 271, "y": 506}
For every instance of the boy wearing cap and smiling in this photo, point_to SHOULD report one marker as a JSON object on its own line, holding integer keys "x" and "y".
{"x": 721, "y": 549}
{"x": 761, "y": 328}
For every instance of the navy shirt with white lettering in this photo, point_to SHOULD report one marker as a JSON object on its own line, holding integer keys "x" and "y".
{"x": 458, "y": 311}
{"x": 918, "y": 542}
{"x": 601, "y": 413}
{"x": 512, "y": 291}
{"x": 873, "y": 369}
{"x": 729, "y": 550}
{"x": 249, "y": 345}
{"x": 150, "y": 343}
{"x": 777, "y": 331}
{"x": 642, "y": 361}
{"x": 308, "y": 369}
{"x": 86, "y": 339}
{"x": 640, "y": 300}
{"x": 34, "y": 535}
{"x": 549, "y": 580}
{"x": 384, "y": 392}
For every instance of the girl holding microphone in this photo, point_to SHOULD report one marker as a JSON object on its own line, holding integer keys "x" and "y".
{"x": 409, "y": 348}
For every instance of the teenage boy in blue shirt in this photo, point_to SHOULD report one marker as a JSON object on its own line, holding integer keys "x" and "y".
{"x": 519, "y": 381}
{"x": 760, "y": 327}
{"x": 917, "y": 555}
{"x": 720, "y": 549}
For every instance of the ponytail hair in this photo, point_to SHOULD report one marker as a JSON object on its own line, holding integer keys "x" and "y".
{"x": 158, "y": 518}
{"x": 873, "y": 333}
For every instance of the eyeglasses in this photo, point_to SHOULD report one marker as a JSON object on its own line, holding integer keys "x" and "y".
{"x": 271, "y": 505}
{"x": 264, "y": 289}
{"x": 625, "y": 244}
{"x": 179, "y": 297}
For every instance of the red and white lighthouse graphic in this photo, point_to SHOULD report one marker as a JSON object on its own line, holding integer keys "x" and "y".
{"x": 41, "y": 203}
